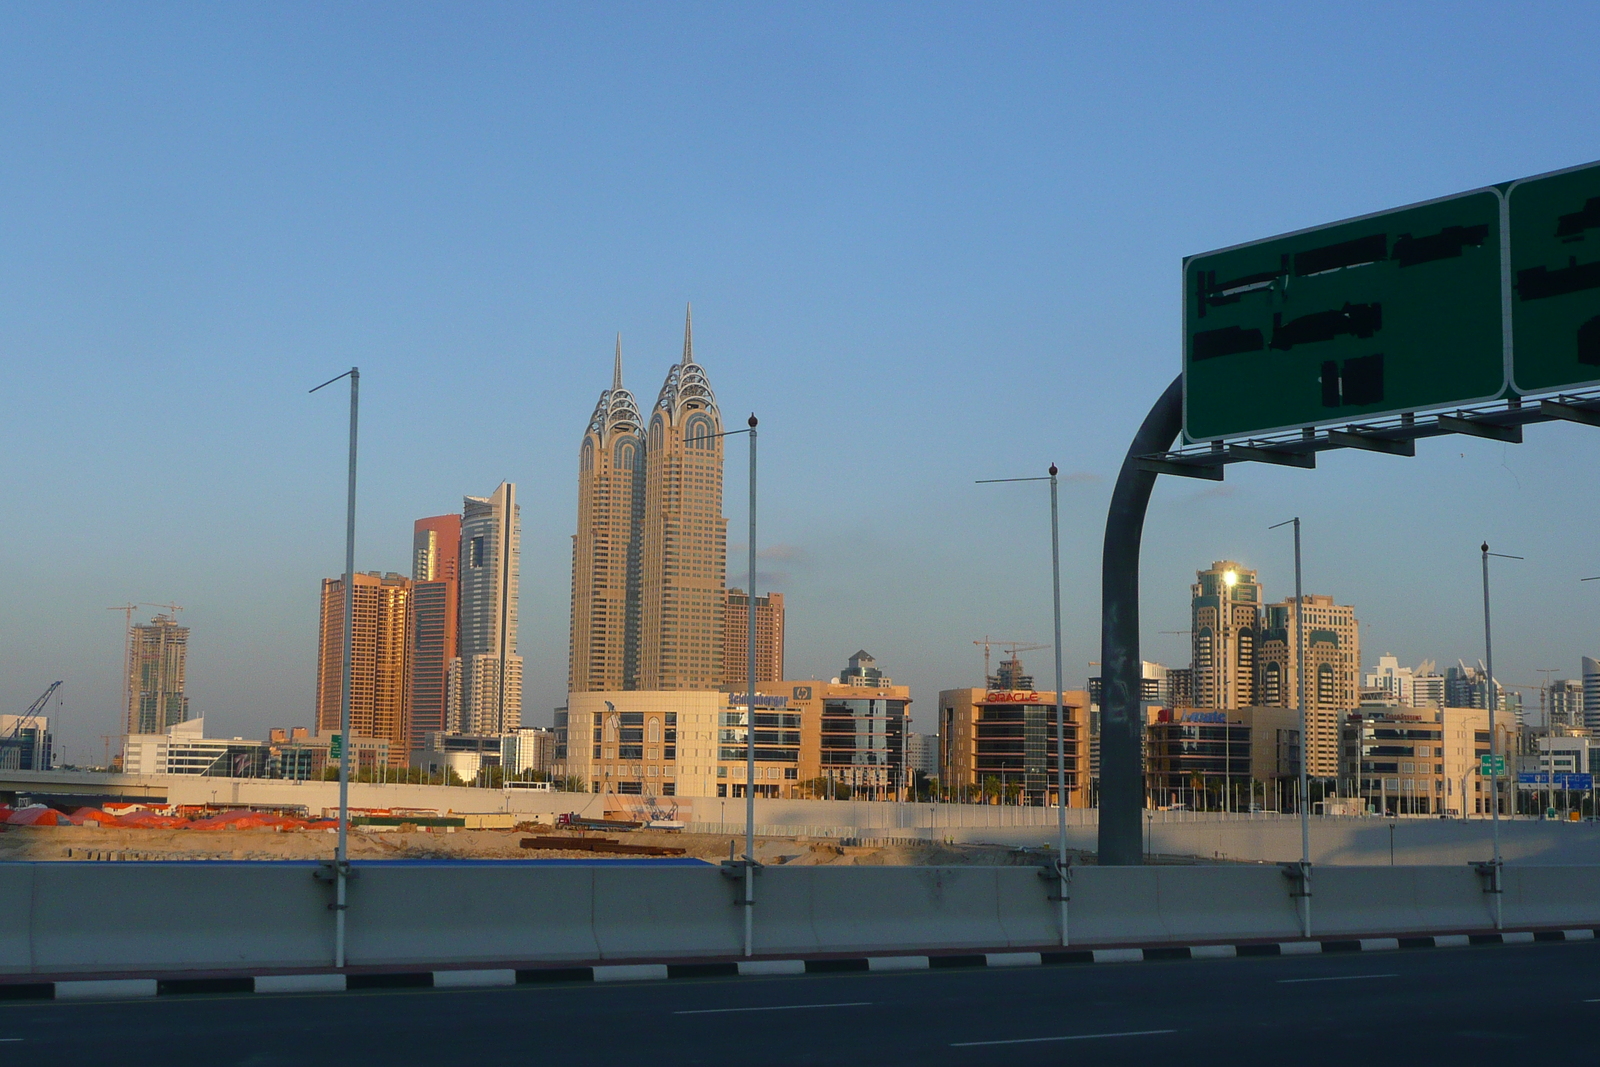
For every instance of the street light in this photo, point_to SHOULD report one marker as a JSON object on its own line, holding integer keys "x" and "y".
{"x": 1061, "y": 766}
{"x": 1494, "y": 737}
{"x": 1305, "y": 746}
{"x": 341, "y": 856}
{"x": 749, "y": 861}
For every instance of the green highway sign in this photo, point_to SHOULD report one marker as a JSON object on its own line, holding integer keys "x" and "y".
{"x": 1387, "y": 313}
{"x": 335, "y": 747}
{"x": 1554, "y": 248}
{"x": 1498, "y": 768}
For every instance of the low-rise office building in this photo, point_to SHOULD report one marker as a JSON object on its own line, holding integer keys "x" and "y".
{"x": 1005, "y": 741}
{"x": 1422, "y": 761}
{"x": 812, "y": 738}
{"x": 1232, "y": 760}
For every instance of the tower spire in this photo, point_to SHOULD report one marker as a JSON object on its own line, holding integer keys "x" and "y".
{"x": 688, "y": 334}
{"x": 616, "y": 369}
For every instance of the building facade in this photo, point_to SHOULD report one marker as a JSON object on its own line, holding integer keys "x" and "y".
{"x": 433, "y": 663}
{"x": 490, "y": 565}
{"x": 736, "y": 639}
{"x": 183, "y": 748}
{"x": 1223, "y": 760}
{"x": 1225, "y": 613}
{"x": 381, "y": 612}
{"x": 608, "y": 548}
{"x": 1004, "y": 741}
{"x": 528, "y": 751}
{"x": 812, "y": 738}
{"x": 1591, "y": 694}
{"x": 1419, "y": 761}
{"x": 649, "y": 558}
{"x": 685, "y": 535}
{"x": 1565, "y": 707}
{"x": 1332, "y": 672}
{"x": 26, "y": 744}
{"x": 158, "y": 654}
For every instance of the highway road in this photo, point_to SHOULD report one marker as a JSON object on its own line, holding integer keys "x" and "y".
{"x": 1529, "y": 1003}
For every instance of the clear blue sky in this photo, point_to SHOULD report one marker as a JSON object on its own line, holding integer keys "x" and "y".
{"x": 926, "y": 243}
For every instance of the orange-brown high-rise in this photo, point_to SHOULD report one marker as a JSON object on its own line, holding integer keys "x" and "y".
{"x": 433, "y": 682}
{"x": 378, "y": 668}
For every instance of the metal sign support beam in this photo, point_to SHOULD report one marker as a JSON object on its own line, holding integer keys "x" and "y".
{"x": 1476, "y": 428}
{"x": 1357, "y": 439}
{"x": 1121, "y": 710}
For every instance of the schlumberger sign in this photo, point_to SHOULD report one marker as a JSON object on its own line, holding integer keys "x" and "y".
{"x": 1438, "y": 304}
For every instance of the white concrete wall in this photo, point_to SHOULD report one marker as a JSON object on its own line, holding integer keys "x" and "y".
{"x": 86, "y": 917}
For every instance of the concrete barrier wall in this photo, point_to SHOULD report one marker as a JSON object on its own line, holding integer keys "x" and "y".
{"x": 86, "y": 917}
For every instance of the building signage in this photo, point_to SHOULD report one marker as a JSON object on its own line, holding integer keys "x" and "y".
{"x": 739, "y": 700}
{"x": 1014, "y": 696}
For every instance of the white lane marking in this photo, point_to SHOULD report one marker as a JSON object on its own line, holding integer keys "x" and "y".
{"x": 11, "y": 1039}
{"x": 776, "y": 1007}
{"x": 1069, "y": 1037}
{"x": 1334, "y": 978}
{"x": 1596, "y": 1000}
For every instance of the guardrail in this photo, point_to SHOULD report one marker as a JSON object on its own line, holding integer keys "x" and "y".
{"x": 131, "y": 916}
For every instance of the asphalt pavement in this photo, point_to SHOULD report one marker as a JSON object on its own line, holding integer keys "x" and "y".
{"x": 1466, "y": 1005}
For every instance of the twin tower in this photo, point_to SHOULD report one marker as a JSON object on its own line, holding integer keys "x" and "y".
{"x": 649, "y": 560}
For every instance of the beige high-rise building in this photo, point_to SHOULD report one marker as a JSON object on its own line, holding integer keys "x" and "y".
{"x": 1226, "y": 612}
{"x": 607, "y": 550}
{"x": 736, "y": 639}
{"x": 378, "y": 667}
{"x": 1333, "y": 666}
{"x": 157, "y": 663}
{"x": 649, "y": 558}
{"x": 685, "y": 536}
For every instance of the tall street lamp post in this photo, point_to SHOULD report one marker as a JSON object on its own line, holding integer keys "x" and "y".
{"x": 1061, "y": 764}
{"x": 341, "y": 855}
{"x": 1494, "y": 737}
{"x": 1305, "y": 737}
{"x": 749, "y": 860}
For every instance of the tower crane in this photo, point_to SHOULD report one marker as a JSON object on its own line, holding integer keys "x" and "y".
{"x": 1009, "y": 647}
{"x": 14, "y": 738}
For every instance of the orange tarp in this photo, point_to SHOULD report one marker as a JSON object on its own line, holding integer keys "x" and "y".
{"x": 36, "y": 816}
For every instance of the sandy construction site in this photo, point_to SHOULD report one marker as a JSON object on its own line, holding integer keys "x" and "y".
{"x": 108, "y": 843}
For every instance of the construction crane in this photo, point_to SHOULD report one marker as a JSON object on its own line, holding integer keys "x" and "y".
{"x": 1009, "y": 647}
{"x": 13, "y": 740}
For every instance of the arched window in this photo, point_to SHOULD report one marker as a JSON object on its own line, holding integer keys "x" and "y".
{"x": 627, "y": 454}
{"x": 586, "y": 457}
{"x": 655, "y": 432}
{"x": 697, "y": 432}
{"x": 655, "y": 730}
{"x": 1271, "y": 685}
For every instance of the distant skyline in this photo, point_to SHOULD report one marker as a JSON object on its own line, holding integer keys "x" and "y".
{"x": 926, "y": 244}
